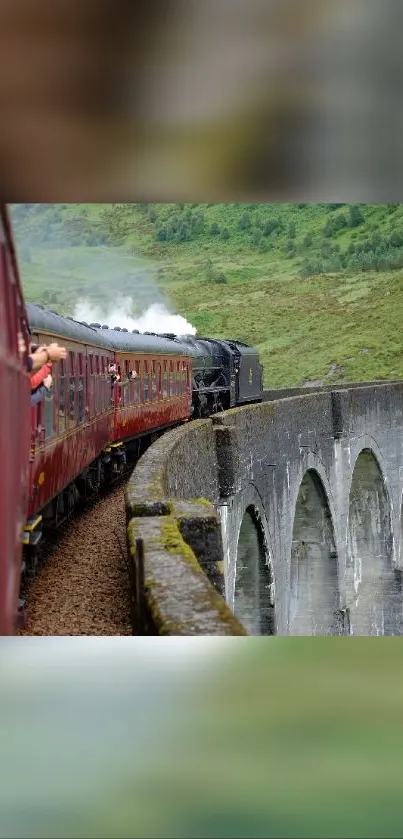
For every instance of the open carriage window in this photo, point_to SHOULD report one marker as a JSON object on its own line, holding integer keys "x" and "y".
{"x": 135, "y": 383}
{"x": 49, "y": 418}
{"x": 62, "y": 397}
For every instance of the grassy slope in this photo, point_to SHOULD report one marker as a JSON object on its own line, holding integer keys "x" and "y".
{"x": 331, "y": 327}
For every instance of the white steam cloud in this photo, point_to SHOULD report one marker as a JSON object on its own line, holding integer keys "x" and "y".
{"x": 156, "y": 318}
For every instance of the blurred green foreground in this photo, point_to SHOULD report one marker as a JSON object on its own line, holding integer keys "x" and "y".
{"x": 201, "y": 738}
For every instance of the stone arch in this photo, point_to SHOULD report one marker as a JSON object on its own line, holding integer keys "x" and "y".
{"x": 373, "y": 581}
{"x": 314, "y": 588}
{"x": 253, "y": 577}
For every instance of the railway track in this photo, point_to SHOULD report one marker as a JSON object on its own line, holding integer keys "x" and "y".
{"x": 82, "y": 584}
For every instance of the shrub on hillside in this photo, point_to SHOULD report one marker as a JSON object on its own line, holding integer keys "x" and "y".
{"x": 355, "y": 216}
{"x": 256, "y": 235}
{"x": 214, "y": 276}
{"x": 245, "y": 222}
{"x": 292, "y": 230}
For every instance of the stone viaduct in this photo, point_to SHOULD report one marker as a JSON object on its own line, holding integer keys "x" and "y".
{"x": 279, "y": 518}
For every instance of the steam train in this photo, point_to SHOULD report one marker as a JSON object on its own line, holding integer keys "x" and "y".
{"x": 82, "y": 433}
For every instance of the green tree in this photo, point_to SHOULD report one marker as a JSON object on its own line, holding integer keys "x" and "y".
{"x": 328, "y": 229}
{"x": 290, "y": 248}
{"x": 256, "y": 235}
{"x": 214, "y": 276}
{"x": 356, "y": 216}
{"x": 396, "y": 239}
{"x": 161, "y": 234}
{"x": 292, "y": 230}
{"x": 197, "y": 223}
{"x": 331, "y": 207}
{"x": 245, "y": 222}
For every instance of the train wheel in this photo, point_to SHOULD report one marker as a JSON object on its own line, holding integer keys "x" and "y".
{"x": 31, "y": 562}
{"x": 58, "y": 515}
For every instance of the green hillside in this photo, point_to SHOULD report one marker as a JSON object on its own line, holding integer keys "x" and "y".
{"x": 317, "y": 288}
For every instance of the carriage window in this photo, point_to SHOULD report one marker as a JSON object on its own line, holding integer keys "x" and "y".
{"x": 165, "y": 382}
{"x": 72, "y": 409}
{"x": 81, "y": 399}
{"x": 183, "y": 381}
{"x": 62, "y": 399}
{"x": 104, "y": 386}
{"x": 126, "y": 384}
{"x": 171, "y": 380}
{"x": 126, "y": 392}
{"x": 49, "y": 416}
{"x": 81, "y": 394}
{"x": 146, "y": 383}
{"x": 72, "y": 390}
{"x": 91, "y": 385}
{"x": 135, "y": 385}
{"x": 154, "y": 383}
{"x": 107, "y": 394}
{"x": 95, "y": 380}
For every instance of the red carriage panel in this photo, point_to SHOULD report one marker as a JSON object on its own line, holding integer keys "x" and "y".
{"x": 82, "y": 417}
{"x": 150, "y": 401}
{"x": 14, "y": 429}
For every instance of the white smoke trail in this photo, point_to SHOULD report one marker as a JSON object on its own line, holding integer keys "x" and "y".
{"x": 156, "y": 318}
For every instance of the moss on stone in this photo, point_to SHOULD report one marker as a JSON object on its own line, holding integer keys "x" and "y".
{"x": 170, "y": 540}
{"x": 161, "y": 532}
{"x": 203, "y": 501}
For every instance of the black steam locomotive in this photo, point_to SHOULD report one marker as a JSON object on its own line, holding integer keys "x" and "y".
{"x": 224, "y": 374}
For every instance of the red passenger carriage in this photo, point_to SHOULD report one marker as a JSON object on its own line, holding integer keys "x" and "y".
{"x": 15, "y": 427}
{"x": 81, "y": 428}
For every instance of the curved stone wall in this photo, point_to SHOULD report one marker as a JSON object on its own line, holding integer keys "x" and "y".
{"x": 169, "y": 506}
{"x": 331, "y": 530}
